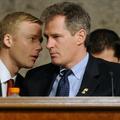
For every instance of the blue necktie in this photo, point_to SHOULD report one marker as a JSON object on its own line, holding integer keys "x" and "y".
{"x": 63, "y": 85}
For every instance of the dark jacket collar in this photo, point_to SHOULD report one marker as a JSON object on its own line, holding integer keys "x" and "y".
{"x": 53, "y": 75}
{"x": 89, "y": 82}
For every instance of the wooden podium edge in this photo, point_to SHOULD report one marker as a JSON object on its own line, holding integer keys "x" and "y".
{"x": 61, "y": 103}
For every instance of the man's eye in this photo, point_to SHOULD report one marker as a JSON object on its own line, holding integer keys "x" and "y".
{"x": 56, "y": 36}
{"x": 32, "y": 38}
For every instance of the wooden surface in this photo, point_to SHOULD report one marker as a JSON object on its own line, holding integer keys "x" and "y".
{"x": 48, "y": 108}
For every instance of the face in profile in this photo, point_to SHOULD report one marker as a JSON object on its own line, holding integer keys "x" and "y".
{"x": 26, "y": 44}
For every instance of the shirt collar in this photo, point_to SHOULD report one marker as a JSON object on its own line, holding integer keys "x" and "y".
{"x": 5, "y": 74}
{"x": 80, "y": 67}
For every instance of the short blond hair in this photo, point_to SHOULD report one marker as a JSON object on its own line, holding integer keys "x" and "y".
{"x": 9, "y": 23}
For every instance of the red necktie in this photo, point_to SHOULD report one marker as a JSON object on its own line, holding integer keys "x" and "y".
{"x": 10, "y": 84}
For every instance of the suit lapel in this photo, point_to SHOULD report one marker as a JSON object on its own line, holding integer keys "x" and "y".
{"x": 53, "y": 78}
{"x": 19, "y": 83}
{"x": 90, "y": 78}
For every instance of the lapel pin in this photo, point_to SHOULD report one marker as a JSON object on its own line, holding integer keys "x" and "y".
{"x": 84, "y": 91}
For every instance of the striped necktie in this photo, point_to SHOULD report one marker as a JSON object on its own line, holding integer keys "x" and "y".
{"x": 63, "y": 85}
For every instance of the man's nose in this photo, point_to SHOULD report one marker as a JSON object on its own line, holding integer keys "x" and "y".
{"x": 39, "y": 47}
{"x": 50, "y": 43}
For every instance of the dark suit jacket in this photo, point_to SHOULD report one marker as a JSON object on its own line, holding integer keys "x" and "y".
{"x": 19, "y": 83}
{"x": 101, "y": 78}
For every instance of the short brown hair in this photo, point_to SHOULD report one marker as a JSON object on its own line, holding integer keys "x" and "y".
{"x": 75, "y": 16}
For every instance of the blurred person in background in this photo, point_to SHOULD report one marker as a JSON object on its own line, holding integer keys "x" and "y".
{"x": 104, "y": 43}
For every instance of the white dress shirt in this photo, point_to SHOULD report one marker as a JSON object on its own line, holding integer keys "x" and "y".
{"x": 4, "y": 77}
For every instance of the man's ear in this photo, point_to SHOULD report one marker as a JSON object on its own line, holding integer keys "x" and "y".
{"x": 7, "y": 40}
{"x": 81, "y": 34}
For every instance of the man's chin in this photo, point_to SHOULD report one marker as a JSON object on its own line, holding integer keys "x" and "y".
{"x": 55, "y": 62}
{"x": 29, "y": 66}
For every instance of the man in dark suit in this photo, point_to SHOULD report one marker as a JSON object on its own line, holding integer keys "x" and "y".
{"x": 98, "y": 80}
{"x": 67, "y": 27}
{"x": 20, "y": 35}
